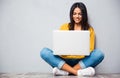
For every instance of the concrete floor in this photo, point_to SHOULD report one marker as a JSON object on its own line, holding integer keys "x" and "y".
{"x": 49, "y": 75}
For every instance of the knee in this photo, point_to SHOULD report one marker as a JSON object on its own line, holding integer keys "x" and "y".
{"x": 98, "y": 54}
{"x": 44, "y": 53}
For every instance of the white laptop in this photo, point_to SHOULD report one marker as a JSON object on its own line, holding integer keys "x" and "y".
{"x": 71, "y": 42}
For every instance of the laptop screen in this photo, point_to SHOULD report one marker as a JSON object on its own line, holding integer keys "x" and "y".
{"x": 71, "y": 42}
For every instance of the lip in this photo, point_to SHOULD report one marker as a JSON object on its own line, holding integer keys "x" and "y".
{"x": 77, "y": 19}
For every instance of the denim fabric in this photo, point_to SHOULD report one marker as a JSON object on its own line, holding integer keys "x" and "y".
{"x": 93, "y": 59}
{"x": 56, "y": 61}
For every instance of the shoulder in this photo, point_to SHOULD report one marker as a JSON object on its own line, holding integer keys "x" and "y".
{"x": 91, "y": 29}
{"x": 64, "y": 26}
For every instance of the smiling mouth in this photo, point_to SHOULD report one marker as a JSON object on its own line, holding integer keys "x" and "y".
{"x": 77, "y": 19}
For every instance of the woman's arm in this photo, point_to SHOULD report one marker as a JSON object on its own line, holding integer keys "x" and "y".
{"x": 92, "y": 39}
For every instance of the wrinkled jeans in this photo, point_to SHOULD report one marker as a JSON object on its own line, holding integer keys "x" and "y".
{"x": 95, "y": 57}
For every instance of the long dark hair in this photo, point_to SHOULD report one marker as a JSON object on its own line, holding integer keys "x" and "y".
{"x": 84, "y": 22}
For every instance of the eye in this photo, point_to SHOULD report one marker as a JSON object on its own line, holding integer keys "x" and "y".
{"x": 74, "y": 13}
{"x": 80, "y": 13}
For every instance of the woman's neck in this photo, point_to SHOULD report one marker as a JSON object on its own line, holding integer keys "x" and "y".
{"x": 77, "y": 27}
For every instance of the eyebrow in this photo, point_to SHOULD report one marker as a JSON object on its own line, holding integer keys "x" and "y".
{"x": 76, "y": 12}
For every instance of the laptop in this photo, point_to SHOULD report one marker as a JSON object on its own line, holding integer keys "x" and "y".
{"x": 72, "y": 42}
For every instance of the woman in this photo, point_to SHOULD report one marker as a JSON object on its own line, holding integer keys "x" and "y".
{"x": 71, "y": 64}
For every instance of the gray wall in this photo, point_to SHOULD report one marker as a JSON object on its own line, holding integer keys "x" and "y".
{"x": 26, "y": 27}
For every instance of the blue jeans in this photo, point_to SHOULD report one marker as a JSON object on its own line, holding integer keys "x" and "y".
{"x": 92, "y": 60}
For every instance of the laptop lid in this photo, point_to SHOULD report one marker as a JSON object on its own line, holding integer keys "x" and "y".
{"x": 71, "y": 42}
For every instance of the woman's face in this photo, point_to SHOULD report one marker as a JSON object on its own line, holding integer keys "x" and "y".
{"x": 77, "y": 15}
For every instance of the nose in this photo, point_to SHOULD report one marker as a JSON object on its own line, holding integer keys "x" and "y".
{"x": 77, "y": 15}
